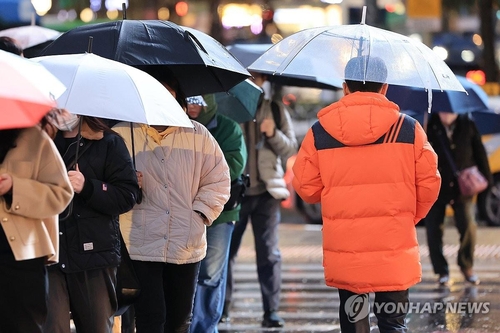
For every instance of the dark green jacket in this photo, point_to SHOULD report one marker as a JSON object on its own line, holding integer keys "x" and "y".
{"x": 229, "y": 135}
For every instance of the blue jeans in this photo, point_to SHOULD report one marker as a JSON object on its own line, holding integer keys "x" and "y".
{"x": 264, "y": 212}
{"x": 209, "y": 299}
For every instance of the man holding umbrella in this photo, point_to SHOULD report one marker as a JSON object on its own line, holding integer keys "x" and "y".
{"x": 376, "y": 176}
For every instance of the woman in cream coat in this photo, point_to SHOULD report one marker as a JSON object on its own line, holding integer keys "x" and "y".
{"x": 34, "y": 189}
{"x": 185, "y": 182}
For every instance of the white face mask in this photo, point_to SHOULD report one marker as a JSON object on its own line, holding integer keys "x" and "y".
{"x": 65, "y": 121}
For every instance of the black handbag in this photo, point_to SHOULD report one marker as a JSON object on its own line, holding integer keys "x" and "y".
{"x": 127, "y": 283}
{"x": 238, "y": 188}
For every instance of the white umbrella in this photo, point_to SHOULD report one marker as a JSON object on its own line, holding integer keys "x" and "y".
{"x": 105, "y": 88}
{"x": 30, "y": 35}
{"x": 324, "y": 52}
{"x": 27, "y": 91}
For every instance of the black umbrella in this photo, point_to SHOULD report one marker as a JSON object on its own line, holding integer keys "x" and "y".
{"x": 201, "y": 66}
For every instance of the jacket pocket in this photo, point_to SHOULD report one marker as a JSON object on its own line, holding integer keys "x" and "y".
{"x": 95, "y": 234}
{"x": 197, "y": 231}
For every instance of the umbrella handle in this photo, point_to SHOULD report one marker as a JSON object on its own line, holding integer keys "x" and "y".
{"x": 78, "y": 139}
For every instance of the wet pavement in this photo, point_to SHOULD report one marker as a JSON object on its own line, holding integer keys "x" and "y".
{"x": 308, "y": 305}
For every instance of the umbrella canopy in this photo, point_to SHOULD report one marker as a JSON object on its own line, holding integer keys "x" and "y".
{"x": 323, "y": 53}
{"x": 413, "y": 101}
{"x": 240, "y": 102}
{"x": 105, "y": 88}
{"x": 248, "y": 53}
{"x": 199, "y": 62}
{"x": 28, "y": 91}
{"x": 411, "y": 98}
{"x": 30, "y": 35}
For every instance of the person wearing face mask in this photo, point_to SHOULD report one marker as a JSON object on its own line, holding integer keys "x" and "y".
{"x": 105, "y": 184}
{"x": 456, "y": 133}
{"x": 185, "y": 184}
{"x": 270, "y": 140}
{"x": 211, "y": 287}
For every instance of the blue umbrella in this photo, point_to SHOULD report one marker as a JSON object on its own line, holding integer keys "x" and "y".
{"x": 240, "y": 102}
{"x": 409, "y": 98}
{"x": 413, "y": 101}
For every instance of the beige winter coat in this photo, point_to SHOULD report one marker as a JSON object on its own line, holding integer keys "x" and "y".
{"x": 40, "y": 191}
{"x": 187, "y": 173}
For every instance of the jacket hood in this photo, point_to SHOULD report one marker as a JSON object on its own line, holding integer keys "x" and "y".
{"x": 207, "y": 112}
{"x": 359, "y": 118}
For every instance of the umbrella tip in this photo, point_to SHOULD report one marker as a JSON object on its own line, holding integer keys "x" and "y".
{"x": 89, "y": 47}
{"x": 124, "y": 10}
{"x": 363, "y": 16}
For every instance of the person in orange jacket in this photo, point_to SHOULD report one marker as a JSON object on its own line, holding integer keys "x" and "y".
{"x": 376, "y": 176}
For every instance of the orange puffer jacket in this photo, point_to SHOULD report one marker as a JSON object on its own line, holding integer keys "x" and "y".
{"x": 376, "y": 176}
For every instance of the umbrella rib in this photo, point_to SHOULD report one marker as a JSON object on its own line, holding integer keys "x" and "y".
{"x": 296, "y": 52}
{"x": 429, "y": 67}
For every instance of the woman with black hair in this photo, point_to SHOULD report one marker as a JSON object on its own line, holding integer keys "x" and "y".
{"x": 185, "y": 184}
{"x": 104, "y": 180}
{"x": 34, "y": 189}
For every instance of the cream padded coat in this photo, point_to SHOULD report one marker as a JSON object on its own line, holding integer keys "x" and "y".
{"x": 187, "y": 173}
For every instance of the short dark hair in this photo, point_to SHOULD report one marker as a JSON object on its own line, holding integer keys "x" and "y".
{"x": 10, "y": 45}
{"x": 365, "y": 73}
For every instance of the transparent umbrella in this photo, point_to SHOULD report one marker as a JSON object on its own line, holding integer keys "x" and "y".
{"x": 324, "y": 52}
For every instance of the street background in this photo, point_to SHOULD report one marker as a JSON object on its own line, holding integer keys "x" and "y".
{"x": 308, "y": 305}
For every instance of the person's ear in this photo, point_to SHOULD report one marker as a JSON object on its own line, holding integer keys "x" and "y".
{"x": 384, "y": 88}
{"x": 345, "y": 89}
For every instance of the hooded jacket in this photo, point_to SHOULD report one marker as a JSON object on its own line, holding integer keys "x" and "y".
{"x": 230, "y": 138}
{"x": 376, "y": 176}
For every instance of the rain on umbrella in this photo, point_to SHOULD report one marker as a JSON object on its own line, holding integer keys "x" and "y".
{"x": 324, "y": 52}
{"x": 248, "y": 53}
{"x": 201, "y": 66}
{"x": 240, "y": 102}
{"x": 28, "y": 91}
{"x": 105, "y": 88}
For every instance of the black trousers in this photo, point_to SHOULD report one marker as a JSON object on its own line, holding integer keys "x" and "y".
{"x": 165, "y": 304}
{"x": 23, "y": 296}
{"x": 389, "y": 308}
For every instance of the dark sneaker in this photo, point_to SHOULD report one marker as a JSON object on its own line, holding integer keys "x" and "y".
{"x": 271, "y": 319}
{"x": 444, "y": 279}
{"x": 470, "y": 276}
{"x": 225, "y": 317}
{"x": 225, "y": 313}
